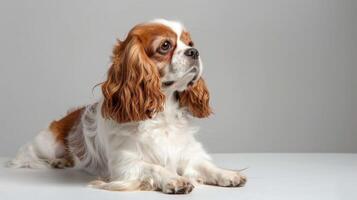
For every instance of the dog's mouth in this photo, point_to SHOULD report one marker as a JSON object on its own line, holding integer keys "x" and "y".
{"x": 194, "y": 70}
{"x": 192, "y": 81}
{"x": 190, "y": 71}
{"x": 168, "y": 83}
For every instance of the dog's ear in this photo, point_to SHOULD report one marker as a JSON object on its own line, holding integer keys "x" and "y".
{"x": 196, "y": 99}
{"x": 132, "y": 91}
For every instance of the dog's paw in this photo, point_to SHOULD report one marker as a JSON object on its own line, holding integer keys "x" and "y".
{"x": 230, "y": 179}
{"x": 178, "y": 185}
{"x": 61, "y": 163}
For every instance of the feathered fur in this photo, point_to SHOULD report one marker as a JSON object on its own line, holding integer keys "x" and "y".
{"x": 139, "y": 135}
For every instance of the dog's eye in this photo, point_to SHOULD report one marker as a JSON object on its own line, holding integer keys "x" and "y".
{"x": 190, "y": 44}
{"x": 165, "y": 47}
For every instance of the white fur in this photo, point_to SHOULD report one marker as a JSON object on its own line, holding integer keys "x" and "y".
{"x": 177, "y": 27}
{"x": 180, "y": 66}
{"x": 158, "y": 153}
{"x": 38, "y": 152}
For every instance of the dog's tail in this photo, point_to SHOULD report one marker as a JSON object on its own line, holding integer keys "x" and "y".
{"x": 123, "y": 185}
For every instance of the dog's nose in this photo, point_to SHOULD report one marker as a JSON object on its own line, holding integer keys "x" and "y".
{"x": 192, "y": 52}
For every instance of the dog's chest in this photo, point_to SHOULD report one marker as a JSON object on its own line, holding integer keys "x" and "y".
{"x": 164, "y": 139}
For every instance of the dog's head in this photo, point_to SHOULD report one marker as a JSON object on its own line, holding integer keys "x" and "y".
{"x": 155, "y": 59}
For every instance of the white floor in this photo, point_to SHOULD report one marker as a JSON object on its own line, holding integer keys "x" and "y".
{"x": 270, "y": 176}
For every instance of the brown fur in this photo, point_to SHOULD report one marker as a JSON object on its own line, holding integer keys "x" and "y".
{"x": 186, "y": 38}
{"x": 196, "y": 99}
{"x": 132, "y": 91}
{"x": 62, "y": 128}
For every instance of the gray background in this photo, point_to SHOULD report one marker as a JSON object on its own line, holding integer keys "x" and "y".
{"x": 282, "y": 74}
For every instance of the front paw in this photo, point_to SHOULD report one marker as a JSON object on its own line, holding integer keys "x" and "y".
{"x": 230, "y": 179}
{"x": 61, "y": 163}
{"x": 179, "y": 185}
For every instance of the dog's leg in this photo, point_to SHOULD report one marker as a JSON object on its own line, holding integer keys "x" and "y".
{"x": 42, "y": 152}
{"x": 207, "y": 173}
{"x": 145, "y": 176}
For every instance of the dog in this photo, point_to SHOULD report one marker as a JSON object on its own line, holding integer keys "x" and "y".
{"x": 139, "y": 134}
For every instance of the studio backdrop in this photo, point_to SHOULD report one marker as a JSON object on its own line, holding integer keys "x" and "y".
{"x": 282, "y": 74}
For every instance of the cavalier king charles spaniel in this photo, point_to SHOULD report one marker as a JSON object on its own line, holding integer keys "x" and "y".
{"x": 138, "y": 135}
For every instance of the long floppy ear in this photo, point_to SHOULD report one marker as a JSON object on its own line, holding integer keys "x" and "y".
{"x": 196, "y": 99}
{"x": 132, "y": 90}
